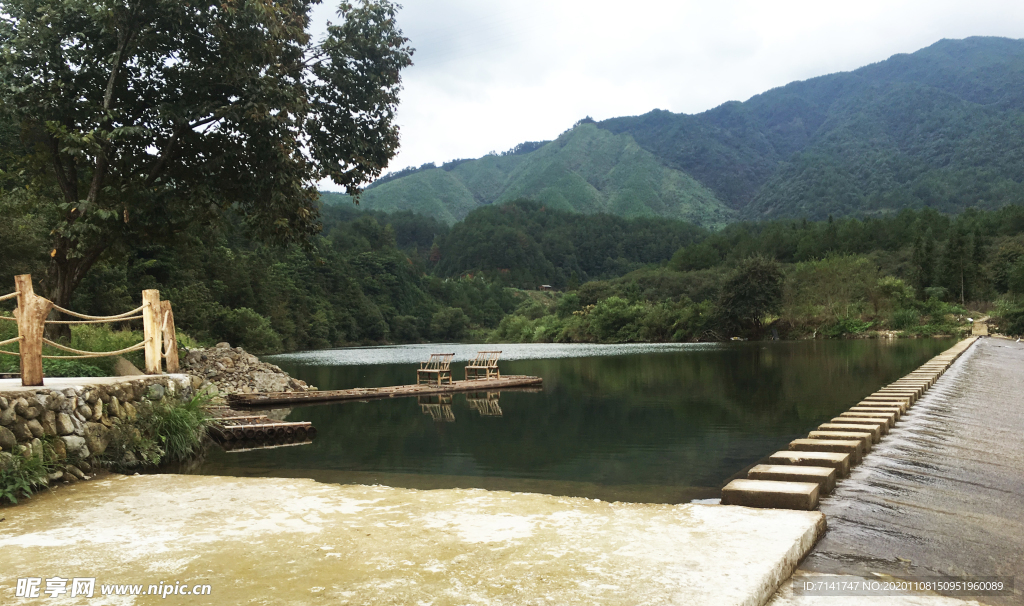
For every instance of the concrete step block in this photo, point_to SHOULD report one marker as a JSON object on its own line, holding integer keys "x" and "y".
{"x": 903, "y": 405}
{"x": 854, "y": 447}
{"x": 890, "y": 418}
{"x": 824, "y": 477}
{"x": 863, "y": 436}
{"x": 879, "y": 409}
{"x": 876, "y": 433}
{"x": 768, "y": 494}
{"x": 880, "y": 425}
{"x": 840, "y": 461}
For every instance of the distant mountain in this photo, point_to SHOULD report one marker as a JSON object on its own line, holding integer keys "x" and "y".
{"x": 941, "y": 128}
{"x": 587, "y": 169}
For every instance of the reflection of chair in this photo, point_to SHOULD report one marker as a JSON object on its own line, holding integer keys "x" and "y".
{"x": 438, "y": 407}
{"x": 435, "y": 370}
{"x": 485, "y": 403}
{"x": 485, "y": 363}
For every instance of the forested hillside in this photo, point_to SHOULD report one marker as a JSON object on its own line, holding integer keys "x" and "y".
{"x": 585, "y": 170}
{"x": 938, "y": 128}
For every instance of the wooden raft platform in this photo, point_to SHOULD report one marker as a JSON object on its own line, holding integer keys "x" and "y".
{"x": 237, "y": 431}
{"x": 254, "y": 400}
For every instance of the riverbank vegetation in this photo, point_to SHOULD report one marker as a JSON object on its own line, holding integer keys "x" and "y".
{"x": 370, "y": 278}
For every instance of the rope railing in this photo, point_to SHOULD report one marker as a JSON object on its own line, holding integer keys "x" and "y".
{"x": 94, "y": 321}
{"x": 89, "y": 354}
{"x": 157, "y": 325}
{"x": 74, "y": 314}
{"x": 9, "y": 341}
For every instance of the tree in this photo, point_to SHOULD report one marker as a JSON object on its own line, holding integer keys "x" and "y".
{"x": 923, "y": 263}
{"x": 752, "y": 293}
{"x": 958, "y": 264}
{"x": 148, "y": 116}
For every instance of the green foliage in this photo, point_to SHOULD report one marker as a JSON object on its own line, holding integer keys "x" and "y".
{"x": 932, "y": 129}
{"x": 180, "y": 426}
{"x": 903, "y": 319}
{"x": 526, "y": 244}
{"x": 20, "y": 476}
{"x": 846, "y": 326}
{"x": 449, "y": 324}
{"x": 586, "y": 170}
{"x": 752, "y": 293}
{"x": 165, "y": 431}
{"x": 162, "y": 114}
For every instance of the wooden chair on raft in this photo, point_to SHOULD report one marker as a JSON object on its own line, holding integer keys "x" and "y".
{"x": 483, "y": 366}
{"x": 436, "y": 370}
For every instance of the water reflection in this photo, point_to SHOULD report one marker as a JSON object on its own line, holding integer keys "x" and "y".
{"x": 485, "y": 403}
{"x": 643, "y": 424}
{"x": 438, "y": 407}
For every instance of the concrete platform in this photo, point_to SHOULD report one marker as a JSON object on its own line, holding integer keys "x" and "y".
{"x": 839, "y": 461}
{"x": 854, "y": 447}
{"x": 879, "y": 425}
{"x": 906, "y": 400}
{"x": 897, "y": 410}
{"x": 62, "y": 383}
{"x": 295, "y": 541}
{"x": 864, "y": 437}
{"x": 824, "y": 477}
{"x": 889, "y": 418}
{"x": 876, "y": 433}
{"x": 771, "y": 495}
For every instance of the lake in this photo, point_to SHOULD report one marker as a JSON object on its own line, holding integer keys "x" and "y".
{"x": 665, "y": 423}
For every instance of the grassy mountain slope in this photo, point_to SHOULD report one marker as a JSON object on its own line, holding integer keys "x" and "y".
{"x": 937, "y": 128}
{"x": 586, "y": 170}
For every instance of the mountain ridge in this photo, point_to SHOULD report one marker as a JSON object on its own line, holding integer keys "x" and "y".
{"x": 935, "y": 128}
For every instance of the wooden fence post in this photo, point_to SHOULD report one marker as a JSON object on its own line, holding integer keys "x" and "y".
{"x": 31, "y": 315}
{"x": 169, "y": 335}
{"x": 151, "y": 318}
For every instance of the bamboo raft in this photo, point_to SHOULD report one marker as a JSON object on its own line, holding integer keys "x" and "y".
{"x": 238, "y": 431}
{"x": 278, "y": 399}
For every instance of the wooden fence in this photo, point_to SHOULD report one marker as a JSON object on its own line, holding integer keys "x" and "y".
{"x": 32, "y": 311}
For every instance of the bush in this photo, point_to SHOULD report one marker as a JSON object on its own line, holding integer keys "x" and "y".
{"x": 180, "y": 426}
{"x": 903, "y": 319}
{"x": 167, "y": 431}
{"x": 245, "y": 328}
{"x": 449, "y": 324}
{"x": 846, "y": 326}
{"x": 20, "y": 477}
{"x": 1011, "y": 319}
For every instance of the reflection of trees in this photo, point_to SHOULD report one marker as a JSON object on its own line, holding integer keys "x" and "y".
{"x": 685, "y": 418}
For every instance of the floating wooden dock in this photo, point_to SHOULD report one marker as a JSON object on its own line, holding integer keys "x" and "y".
{"x": 236, "y": 430}
{"x": 277, "y": 399}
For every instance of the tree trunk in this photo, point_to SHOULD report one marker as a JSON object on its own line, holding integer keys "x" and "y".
{"x": 62, "y": 278}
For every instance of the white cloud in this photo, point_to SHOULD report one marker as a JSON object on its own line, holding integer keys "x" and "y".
{"x": 489, "y": 75}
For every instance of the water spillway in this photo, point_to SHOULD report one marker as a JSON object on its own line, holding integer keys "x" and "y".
{"x": 853, "y": 439}
{"x": 943, "y": 493}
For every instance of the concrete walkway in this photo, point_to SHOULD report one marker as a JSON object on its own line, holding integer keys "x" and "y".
{"x": 943, "y": 494}
{"x": 287, "y": 541}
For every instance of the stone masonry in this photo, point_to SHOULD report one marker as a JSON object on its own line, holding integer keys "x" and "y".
{"x": 76, "y": 421}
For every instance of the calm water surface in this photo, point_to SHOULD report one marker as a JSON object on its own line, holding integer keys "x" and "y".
{"x": 645, "y": 423}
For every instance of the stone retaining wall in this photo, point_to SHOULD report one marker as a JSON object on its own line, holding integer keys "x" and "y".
{"x": 77, "y": 420}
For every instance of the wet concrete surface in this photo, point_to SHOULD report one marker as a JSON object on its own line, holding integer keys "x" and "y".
{"x": 296, "y": 541}
{"x": 943, "y": 494}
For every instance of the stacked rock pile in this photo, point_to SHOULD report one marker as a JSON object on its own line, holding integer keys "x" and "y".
{"x": 76, "y": 421}
{"x": 225, "y": 370}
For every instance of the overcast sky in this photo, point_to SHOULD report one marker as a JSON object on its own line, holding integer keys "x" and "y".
{"x": 489, "y": 74}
